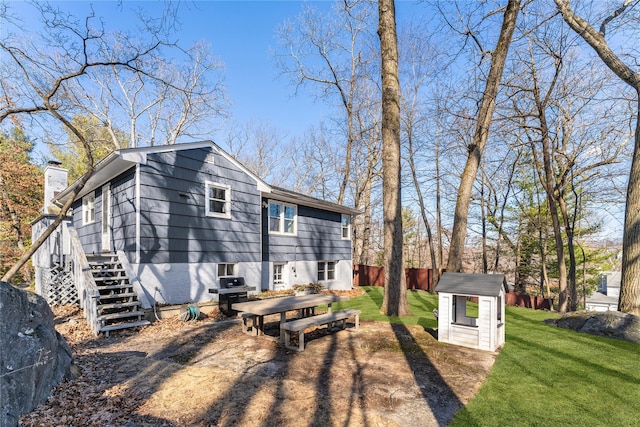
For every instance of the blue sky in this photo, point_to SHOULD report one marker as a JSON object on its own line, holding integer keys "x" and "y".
{"x": 241, "y": 35}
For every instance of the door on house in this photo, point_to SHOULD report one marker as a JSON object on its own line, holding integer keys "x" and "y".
{"x": 106, "y": 218}
{"x": 279, "y": 279}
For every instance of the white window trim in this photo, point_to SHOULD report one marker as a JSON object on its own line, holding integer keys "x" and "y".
{"x": 227, "y": 194}
{"x": 89, "y": 200}
{"x": 283, "y": 206}
{"x": 348, "y": 227}
{"x": 234, "y": 267}
{"x": 326, "y": 271}
{"x": 283, "y": 270}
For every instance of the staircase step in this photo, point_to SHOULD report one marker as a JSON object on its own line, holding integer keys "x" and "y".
{"x": 124, "y": 325}
{"x": 107, "y": 270}
{"x": 118, "y": 305}
{"x": 122, "y": 315}
{"x": 109, "y": 278}
{"x": 116, "y": 295}
{"x": 94, "y": 264}
{"x": 112, "y": 287}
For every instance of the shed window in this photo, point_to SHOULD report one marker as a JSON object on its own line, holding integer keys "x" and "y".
{"x": 346, "y": 227}
{"x": 283, "y": 218}
{"x": 88, "y": 209}
{"x": 326, "y": 270}
{"x": 218, "y": 200}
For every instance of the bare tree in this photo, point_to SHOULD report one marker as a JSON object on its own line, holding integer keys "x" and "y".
{"x": 260, "y": 147}
{"x": 395, "y": 295}
{"x": 42, "y": 83}
{"x": 475, "y": 149}
{"x": 630, "y": 283}
{"x": 332, "y": 53}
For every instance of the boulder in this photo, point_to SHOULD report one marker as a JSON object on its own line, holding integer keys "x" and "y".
{"x": 612, "y": 324}
{"x": 34, "y": 357}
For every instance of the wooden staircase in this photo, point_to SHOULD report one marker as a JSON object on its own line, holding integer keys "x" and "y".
{"x": 118, "y": 306}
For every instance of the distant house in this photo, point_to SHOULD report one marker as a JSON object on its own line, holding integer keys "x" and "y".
{"x": 465, "y": 322}
{"x": 607, "y": 295}
{"x": 187, "y": 215}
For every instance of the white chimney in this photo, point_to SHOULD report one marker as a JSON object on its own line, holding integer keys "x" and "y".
{"x": 55, "y": 180}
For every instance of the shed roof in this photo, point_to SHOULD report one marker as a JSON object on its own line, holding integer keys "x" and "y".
{"x": 472, "y": 284}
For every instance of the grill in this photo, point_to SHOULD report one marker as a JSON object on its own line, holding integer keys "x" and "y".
{"x": 232, "y": 290}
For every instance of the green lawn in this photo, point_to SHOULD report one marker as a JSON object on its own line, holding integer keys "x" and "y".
{"x": 544, "y": 375}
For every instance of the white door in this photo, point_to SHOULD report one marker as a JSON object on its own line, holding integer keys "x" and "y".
{"x": 106, "y": 218}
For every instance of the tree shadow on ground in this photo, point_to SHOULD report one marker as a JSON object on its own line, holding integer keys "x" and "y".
{"x": 433, "y": 386}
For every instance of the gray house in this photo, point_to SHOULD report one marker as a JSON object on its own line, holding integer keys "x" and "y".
{"x": 184, "y": 216}
{"x": 608, "y": 293}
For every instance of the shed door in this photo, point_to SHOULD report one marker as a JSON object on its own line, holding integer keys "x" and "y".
{"x": 106, "y": 218}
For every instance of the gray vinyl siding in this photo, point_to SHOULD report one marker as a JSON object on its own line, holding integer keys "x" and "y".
{"x": 89, "y": 234}
{"x": 123, "y": 221}
{"x": 319, "y": 237}
{"x": 173, "y": 224}
{"x": 123, "y": 211}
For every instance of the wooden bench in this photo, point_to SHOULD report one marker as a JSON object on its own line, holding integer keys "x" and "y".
{"x": 329, "y": 319}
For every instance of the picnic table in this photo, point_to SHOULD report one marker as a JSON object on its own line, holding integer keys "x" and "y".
{"x": 256, "y": 310}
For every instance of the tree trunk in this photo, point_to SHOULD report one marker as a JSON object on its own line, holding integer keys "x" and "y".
{"x": 438, "y": 216}
{"x": 572, "y": 292}
{"x": 395, "y": 295}
{"x": 459, "y": 234}
{"x": 423, "y": 211}
{"x": 483, "y": 214}
{"x": 630, "y": 281}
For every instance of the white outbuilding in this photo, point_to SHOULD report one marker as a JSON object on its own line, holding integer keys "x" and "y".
{"x": 465, "y": 322}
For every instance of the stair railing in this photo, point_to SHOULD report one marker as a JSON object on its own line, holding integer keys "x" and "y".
{"x": 88, "y": 293}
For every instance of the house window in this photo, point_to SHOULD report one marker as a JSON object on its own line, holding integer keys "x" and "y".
{"x": 226, "y": 270}
{"x": 282, "y": 218}
{"x": 218, "y": 200}
{"x": 88, "y": 209}
{"x": 346, "y": 227}
{"x": 326, "y": 270}
{"x": 278, "y": 278}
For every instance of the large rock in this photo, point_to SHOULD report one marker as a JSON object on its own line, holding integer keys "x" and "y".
{"x": 34, "y": 357}
{"x": 612, "y": 324}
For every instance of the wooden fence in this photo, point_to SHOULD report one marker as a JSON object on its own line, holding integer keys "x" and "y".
{"x": 417, "y": 278}
{"x": 516, "y": 299}
{"x": 422, "y": 278}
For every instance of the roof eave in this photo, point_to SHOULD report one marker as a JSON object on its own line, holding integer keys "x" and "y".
{"x": 301, "y": 199}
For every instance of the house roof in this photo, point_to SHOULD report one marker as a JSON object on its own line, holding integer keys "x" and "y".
{"x": 472, "y": 284}
{"x": 613, "y": 279}
{"x": 600, "y": 298}
{"x": 293, "y": 197}
{"x": 119, "y": 161}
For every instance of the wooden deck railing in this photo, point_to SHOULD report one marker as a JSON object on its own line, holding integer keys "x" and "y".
{"x": 87, "y": 289}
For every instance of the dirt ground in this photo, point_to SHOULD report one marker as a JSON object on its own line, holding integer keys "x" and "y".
{"x": 208, "y": 373}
